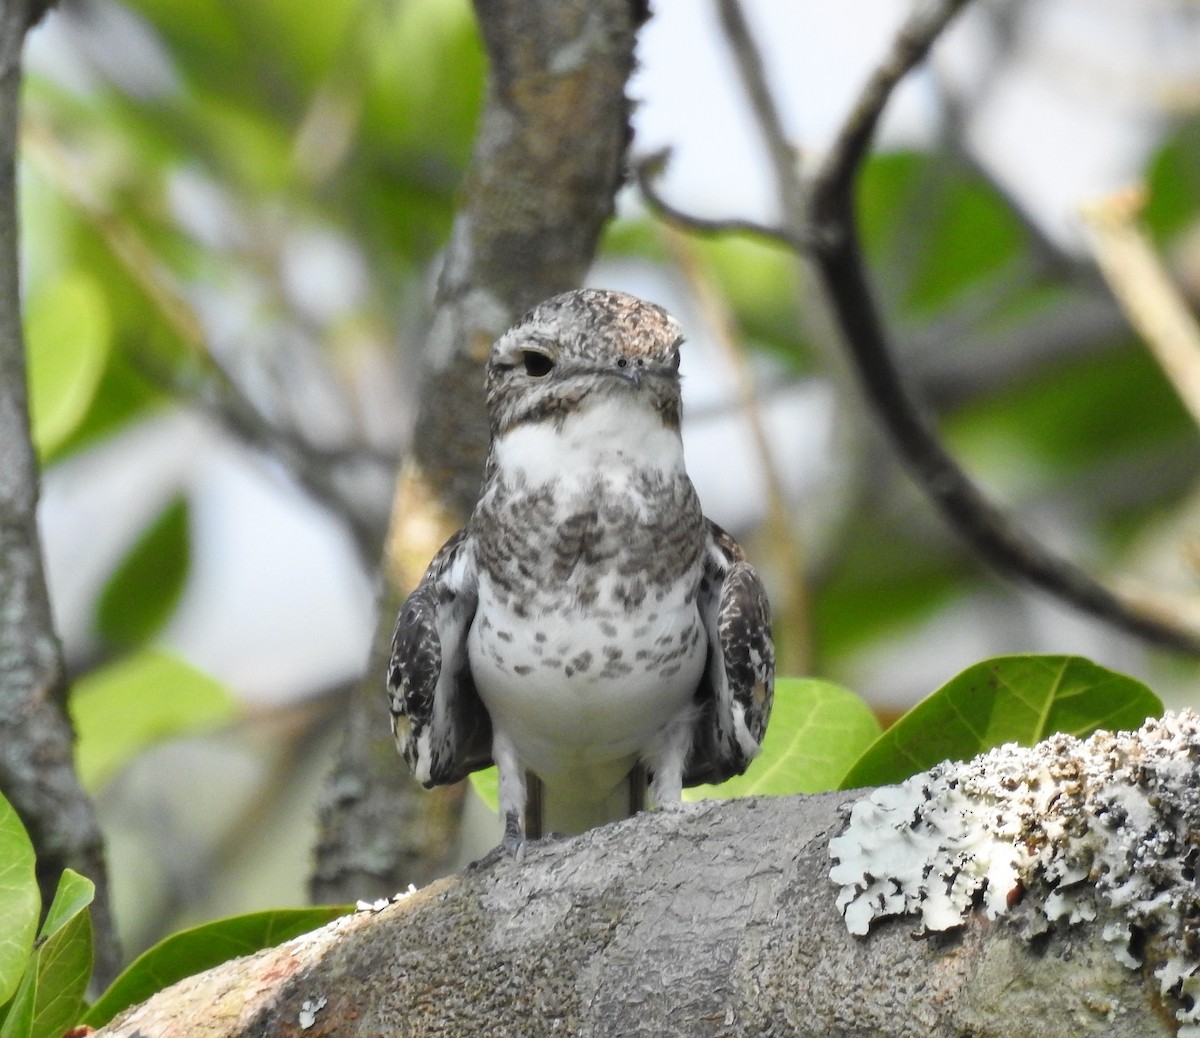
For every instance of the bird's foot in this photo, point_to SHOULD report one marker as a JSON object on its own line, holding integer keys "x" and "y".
{"x": 511, "y": 845}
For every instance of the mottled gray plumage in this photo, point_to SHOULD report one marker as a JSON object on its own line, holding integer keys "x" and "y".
{"x": 588, "y": 625}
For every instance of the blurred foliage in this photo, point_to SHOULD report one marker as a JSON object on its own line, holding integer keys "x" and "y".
{"x": 143, "y": 591}
{"x": 1173, "y": 183}
{"x": 67, "y": 333}
{"x": 122, "y": 708}
{"x": 933, "y": 229}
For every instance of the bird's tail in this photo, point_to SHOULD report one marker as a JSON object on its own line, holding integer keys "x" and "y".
{"x": 549, "y": 810}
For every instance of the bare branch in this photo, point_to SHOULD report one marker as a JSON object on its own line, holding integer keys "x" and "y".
{"x": 37, "y": 772}
{"x": 762, "y": 104}
{"x": 839, "y": 170}
{"x": 647, "y": 171}
{"x": 839, "y": 262}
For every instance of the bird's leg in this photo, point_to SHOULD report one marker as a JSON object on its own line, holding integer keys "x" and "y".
{"x": 512, "y": 794}
{"x": 666, "y": 762}
{"x": 512, "y": 805}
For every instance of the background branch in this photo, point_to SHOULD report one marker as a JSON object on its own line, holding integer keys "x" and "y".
{"x": 1143, "y": 286}
{"x": 839, "y": 262}
{"x": 37, "y": 771}
{"x": 820, "y": 220}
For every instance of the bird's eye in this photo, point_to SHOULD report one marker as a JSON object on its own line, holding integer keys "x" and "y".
{"x": 622, "y": 363}
{"x": 537, "y": 364}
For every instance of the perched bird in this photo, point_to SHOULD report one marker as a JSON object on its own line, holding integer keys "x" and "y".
{"x": 589, "y": 629}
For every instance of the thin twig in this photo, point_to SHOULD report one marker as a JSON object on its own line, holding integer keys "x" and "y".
{"x": 762, "y": 103}
{"x": 1143, "y": 287}
{"x": 792, "y": 618}
{"x": 835, "y": 180}
{"x": 841, "y": 268}
{"x": 790, "y": 230}
{"x": 647, "y": 171}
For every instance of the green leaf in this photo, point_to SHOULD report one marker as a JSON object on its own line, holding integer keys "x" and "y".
{"x": 64, "y": 966}
{"x": 143, "y": 592}
{"x": 50, "y": 999}
{"x": 18, "y": 1021}
{"x": 141, "y": 699}
{"x": 191, "y": 951}
{"x": 817, "y": 731}
{"x": 74, "y": 894}
{"x": 67, "y": 332}
{"x": 486, "y": 784}
{"x": 1020, "y": 699}
{"x": 20, "y": 902}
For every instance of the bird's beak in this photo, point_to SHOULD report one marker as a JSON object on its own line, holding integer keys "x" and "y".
{"x": 633, "y": 375}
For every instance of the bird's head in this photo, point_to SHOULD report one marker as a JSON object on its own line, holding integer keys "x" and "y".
{"x": 579, "y": 348}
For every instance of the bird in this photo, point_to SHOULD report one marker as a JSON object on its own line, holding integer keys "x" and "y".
{"x": 588, "y": 630}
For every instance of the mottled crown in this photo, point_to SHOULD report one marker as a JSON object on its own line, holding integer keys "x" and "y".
{"x": 579, "y": 343}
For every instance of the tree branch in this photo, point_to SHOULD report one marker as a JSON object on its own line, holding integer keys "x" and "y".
{"x": 735, "y": 918}
{"x": 647, "y": 169}
{"x": 37, "y": 772}
{"x": 545, "y": 168}
{"x": 827, "y": 230}
{"x": 839, "y": 262}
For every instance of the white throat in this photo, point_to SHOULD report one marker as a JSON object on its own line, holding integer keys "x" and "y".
{"x": 615, "y": 433}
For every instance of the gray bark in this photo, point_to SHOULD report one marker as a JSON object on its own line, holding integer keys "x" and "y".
{"x": 37, "y": 773}
{"x": 715, "y": 920}
{"x": 546, "y": 165}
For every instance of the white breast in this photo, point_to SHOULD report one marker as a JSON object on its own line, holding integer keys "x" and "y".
{"x": 612, "y": 435}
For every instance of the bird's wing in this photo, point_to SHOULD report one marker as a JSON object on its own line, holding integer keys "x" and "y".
{"x": 739, "y": 679}
{"x": 441, "y": 726}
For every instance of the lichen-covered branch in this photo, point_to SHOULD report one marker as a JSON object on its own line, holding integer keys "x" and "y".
{"x": 37, "y": 772}
{"x": 546, "y": 165}
{"x": 778, "y": 916}
{"x": 1102, "y": 832}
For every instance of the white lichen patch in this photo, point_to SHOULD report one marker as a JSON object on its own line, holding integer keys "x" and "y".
{"x": 1104, "y": 829}
{"x": 384, "y": 902}
{"x": 309, "y": 1010}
